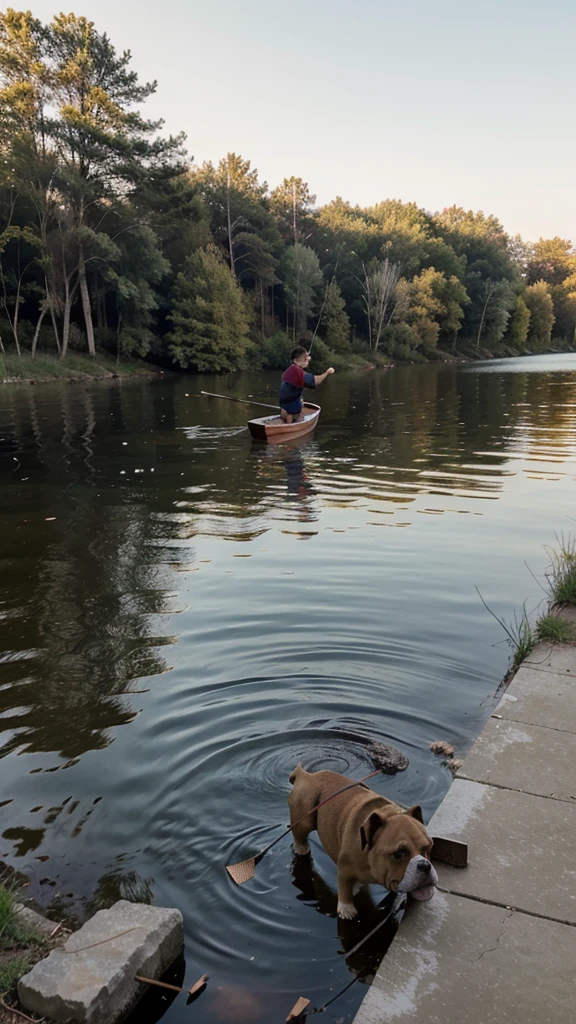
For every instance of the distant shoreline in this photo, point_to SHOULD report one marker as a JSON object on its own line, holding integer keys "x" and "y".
{"x": 81, "y": 369}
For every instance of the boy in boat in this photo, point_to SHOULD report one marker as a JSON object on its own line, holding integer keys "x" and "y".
{"x": 294, "y": 380}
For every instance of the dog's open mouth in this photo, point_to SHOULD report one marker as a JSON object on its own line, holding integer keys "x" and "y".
{"x": 425, "y": 892}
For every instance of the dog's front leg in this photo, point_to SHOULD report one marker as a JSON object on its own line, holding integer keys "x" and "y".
{"x": 346, "y": 908}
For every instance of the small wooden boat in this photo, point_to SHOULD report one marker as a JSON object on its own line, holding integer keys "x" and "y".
{"x": 273, "y": 428}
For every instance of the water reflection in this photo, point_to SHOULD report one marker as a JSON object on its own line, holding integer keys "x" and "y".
{"x": 316, "y": 894}
{"x": 79, "y": 628}
{"x": 294, "y": 459}
{"x": 170, "y": 649}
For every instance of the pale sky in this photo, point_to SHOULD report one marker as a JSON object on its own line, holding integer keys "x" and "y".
{"x": 440, "y": 102}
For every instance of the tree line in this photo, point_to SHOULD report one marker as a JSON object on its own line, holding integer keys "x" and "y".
{"x": 113, "y": 240}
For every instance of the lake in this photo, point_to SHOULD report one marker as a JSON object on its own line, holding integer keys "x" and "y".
{"x": 185, "y": 615}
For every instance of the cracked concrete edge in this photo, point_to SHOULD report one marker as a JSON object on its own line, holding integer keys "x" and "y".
{"x": 462, "y": 961}
{"x": 552, "y": 657}
{"x": 492, "y": 949}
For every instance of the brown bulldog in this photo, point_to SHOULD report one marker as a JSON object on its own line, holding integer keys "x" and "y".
{"x": 371, "y": 840}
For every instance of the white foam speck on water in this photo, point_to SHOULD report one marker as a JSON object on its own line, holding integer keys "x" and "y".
{"x": 458, "y": 808}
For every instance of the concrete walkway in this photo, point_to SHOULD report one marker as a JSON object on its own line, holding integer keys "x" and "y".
{"x": 498, "y": 941}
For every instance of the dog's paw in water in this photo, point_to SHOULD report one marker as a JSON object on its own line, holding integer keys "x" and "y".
{"x": 300, "y": 849}
{"x": 347, "y": 911}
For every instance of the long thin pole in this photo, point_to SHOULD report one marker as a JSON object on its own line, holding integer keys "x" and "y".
{"x": 244, "y": 401}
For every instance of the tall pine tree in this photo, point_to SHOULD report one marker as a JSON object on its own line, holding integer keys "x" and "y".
{"x": 209, "y": 316}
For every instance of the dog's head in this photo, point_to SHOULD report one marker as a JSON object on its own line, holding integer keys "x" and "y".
{"x": 398, "y": 847}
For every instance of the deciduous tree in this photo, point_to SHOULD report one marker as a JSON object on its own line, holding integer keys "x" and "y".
{"x": 539, "y": 301}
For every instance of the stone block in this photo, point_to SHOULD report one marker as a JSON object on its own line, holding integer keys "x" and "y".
{"x": 35, "y": 922}
{"x": 91, "y": 978}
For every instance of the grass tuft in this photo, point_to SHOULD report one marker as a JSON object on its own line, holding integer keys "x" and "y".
{"x": 10, "y": 973}
{"x": 519, "y": 634}
{"x": 10, "y": 930}
{"x": 556, "y": 630}
{"x": 522, "y": 638}
{"x": 561, "y": 575}
{"x": 19, "y": 945}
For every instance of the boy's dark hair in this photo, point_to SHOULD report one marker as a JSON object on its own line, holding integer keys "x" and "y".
{"x": 297, "y": 352}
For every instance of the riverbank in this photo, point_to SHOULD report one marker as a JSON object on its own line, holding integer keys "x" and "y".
{"x": 498, "y": 941}
{"x": 45, "y": 369}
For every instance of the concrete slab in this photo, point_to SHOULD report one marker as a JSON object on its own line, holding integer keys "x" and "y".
{"x": 454, "y": 961}
{"x": 91, "y": 978}
{"x": 540, "y": 698}
{"x": 521, "y": 848}
{"x": 529, "y": 758}
{"x": 553, "y": 658}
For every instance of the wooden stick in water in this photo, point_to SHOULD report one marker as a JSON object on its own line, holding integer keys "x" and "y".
{"x": 243, "y": 401}
{"x": 160, "y": 984}
{"x": 174, "y": 988}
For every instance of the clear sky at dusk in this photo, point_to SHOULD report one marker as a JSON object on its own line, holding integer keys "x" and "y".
{"x": 437, "y": 102}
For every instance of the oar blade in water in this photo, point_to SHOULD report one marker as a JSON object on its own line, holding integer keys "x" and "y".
{"x": 243, "y": 871}
{"x": 298, "y": 1008}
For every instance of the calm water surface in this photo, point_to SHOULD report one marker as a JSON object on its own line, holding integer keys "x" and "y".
{"x": 184, "y": 615}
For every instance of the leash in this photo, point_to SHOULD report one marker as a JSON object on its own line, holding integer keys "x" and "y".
{"x": 337, "y": 792}
{"x": 396, "y": 912}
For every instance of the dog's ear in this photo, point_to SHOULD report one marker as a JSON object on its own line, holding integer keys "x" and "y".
{"x": 415, "y": 812}
{"x": 369, "y": 828}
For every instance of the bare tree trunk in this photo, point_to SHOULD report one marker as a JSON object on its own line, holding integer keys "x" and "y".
{"x": 99, "y": 312}
{"x": 320, "y": 315}
{"x": 86, "y": 301}
{"x": 368, "y": 305}
{"x": 66, "y": 323}
{"x": 53, "y": 317}
{"x": 13, "y": 323}
{"x": 118, "y": 337}
{"x": 17, "y": 306}
{"x": 385, "y": 282}
{"x": 230, "y": 246}
{"x": 489, "y": 290}
{"x": 43, "y": 312}
{"x": 294, "y": 211}
{"x": 297, "y": 305}
{"x": 69, "y": 298}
